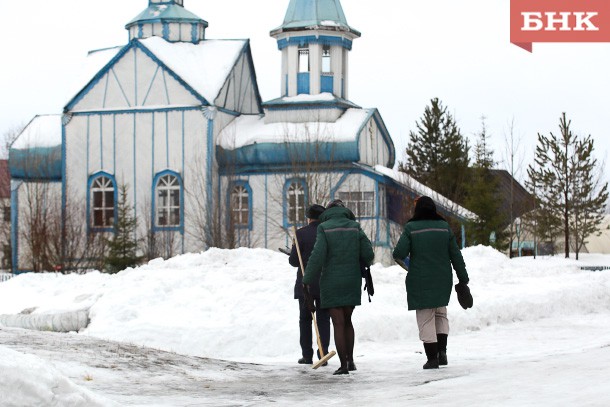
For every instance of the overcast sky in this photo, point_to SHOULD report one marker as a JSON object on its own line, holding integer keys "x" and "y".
{"x": 410, "y": 51}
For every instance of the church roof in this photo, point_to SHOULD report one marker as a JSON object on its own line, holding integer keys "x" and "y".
{"x": 36, "y": 153}
{"x": 320, "y": 99}
{"x": 420, "y": 189}
{"x": 165, "y": 12}
{"x": 250, "y": 142}
{"x": 248, "y": 130}
{"x": 315, "y": 14}
{"x": 204, "y": 66}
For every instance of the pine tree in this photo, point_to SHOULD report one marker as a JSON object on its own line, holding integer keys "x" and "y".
{"x": 588, "y": 198}
{"x": 482, "y": 196}
{"x": 123, "y": 245}
{"x": 565, "y": 186}
{"x": 437, "y": 153}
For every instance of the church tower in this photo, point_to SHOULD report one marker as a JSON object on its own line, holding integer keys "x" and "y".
{"x": 315, "y": 40}
{"x": 167, "y": 19}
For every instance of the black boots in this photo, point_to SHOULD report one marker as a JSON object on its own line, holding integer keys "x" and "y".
{"x": 442, "y": 349}
{"x": 305, "y": 361}
{"x": 432, "y": 355}
{"x": 341, "y": 370}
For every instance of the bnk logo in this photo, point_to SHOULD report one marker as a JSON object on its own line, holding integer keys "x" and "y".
{"x": 559, "y": 21}
{"x": 563, "y": 21}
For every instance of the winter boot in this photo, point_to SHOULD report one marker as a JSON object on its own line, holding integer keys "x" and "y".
{"x": 442, "y": 349}
{"x": 432, "y": 355}
{"x": 341, "y": 370}
{"x": 351, "y": 366}
{"x": 305, "y": 361}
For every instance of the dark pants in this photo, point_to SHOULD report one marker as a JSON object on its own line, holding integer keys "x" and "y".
{"x": 305, "y": 322}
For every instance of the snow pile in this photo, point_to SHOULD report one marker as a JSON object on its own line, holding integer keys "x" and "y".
{"x": 29, "y": 381}
{"x": 238, "y": 304}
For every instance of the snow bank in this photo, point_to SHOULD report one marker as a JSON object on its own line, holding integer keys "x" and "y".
{"x": 29, "y": 381}
{"x": 238, "y": 304}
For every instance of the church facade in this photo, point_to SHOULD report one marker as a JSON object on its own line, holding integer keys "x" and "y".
{"x": 175, "y": 122}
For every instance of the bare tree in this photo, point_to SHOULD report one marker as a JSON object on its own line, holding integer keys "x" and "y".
{"x": 513, "y": 160}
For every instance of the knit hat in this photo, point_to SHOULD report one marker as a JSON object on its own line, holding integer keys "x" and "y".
{"x": 314, "y": 211}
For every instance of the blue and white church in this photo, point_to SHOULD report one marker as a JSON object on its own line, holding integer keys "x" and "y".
{"x": 177, "y": 120}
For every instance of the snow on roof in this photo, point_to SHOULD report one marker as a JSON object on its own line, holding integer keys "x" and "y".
{"x": 247, "y": 130}
{"x": 42, "y": 131}
{"x": 91, "y": 65}
{"x": 406, "y": 180}
{"x": 204, "y": 66}
{"x": 305, "y": 97}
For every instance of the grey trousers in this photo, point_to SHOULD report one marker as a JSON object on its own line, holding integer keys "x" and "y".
{"x": 432, "y": 321}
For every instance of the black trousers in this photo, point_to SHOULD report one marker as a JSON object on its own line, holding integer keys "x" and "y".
{"x": 305, "y": 325}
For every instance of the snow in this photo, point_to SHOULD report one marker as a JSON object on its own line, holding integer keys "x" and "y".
{"x": 42, "y": 131}
{"x": 246, "y": 130}
{"x": 27, "y": 380}
{"x": 421, "y": 189}
{"x": 88, "y": 68}
{"x": 537, "y": 335}
{"x": 204, "y": 66}
{"x": 304, "y": 97}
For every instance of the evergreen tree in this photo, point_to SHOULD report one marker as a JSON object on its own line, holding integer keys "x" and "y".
{"x": 482, "y": 196}
{"x": 437, "y": 153}
{"x": 588, "y": 198}
{"x": 123, "y": 245}
{"x": 564, "y": 182}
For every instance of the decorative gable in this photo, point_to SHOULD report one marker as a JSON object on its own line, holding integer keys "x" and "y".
{"x": 133, "y": 79}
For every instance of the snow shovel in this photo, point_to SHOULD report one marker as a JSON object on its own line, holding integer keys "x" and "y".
{"x": 323, "y": 358}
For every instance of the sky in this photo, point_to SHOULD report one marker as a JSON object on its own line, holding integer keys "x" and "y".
{"x": 220, "y": 328}
{"x": 409, "y": 53}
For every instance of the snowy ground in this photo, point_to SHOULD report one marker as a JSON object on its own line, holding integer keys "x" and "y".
{"x": 220, "y": 328}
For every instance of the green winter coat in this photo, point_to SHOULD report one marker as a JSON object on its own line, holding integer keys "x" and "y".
{"x": 340, "y": 246}
{"x": 433, "y": 249}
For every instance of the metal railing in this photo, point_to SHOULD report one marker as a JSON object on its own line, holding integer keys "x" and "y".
{"x": 5, "y": 277}
{"x": 595, "y": 268}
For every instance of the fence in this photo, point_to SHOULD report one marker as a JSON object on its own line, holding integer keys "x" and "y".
{"x": 595, "y": 268}
{"x": 5, "y": 276}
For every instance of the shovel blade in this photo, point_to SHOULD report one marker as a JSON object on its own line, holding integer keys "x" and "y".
{"x": 324, "y": 359}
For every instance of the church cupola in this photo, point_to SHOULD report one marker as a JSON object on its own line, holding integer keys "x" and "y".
{"x": 315, "y": 40}
{"x": 167, "y": 19}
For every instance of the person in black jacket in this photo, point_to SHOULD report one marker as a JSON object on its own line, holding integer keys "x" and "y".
{"x": 307, "y": 238}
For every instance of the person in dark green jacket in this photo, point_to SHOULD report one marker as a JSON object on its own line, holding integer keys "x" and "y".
{"x": 340, "y": 247}
{"x": 429, "y": 242}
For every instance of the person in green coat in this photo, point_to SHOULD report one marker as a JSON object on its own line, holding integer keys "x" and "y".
{"x": 432, "y": 249}
{"x": 340, "y": 247}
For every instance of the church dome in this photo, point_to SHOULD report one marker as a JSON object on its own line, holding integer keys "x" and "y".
{"x": 315, "y": 15}
{"x": 167, "y": 19}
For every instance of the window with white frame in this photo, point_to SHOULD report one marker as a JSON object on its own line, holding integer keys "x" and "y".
{"x": 362, "y": 204}
{"x": 295, "y": 199}
{"x": 303, "y": 59}
{"x": 326, "y": 59}
{"x": 102, "y": 202}
{"x": 168, "y": 201}
{"x": 240, "y": 205}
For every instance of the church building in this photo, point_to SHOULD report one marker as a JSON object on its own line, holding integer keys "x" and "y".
{"x": 173, "y": 125}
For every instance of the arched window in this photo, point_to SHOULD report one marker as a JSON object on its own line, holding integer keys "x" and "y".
{"x": 168, "y": 201}
{"x": 102, "y": 200}
{"x": 295, "y": 202}
{"x": 240, "y": 205}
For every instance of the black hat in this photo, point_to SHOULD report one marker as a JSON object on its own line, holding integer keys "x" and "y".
{"x": 314, "y": 211}
{"x": 425, "y": 203}
{"x": 335, "y": 202}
